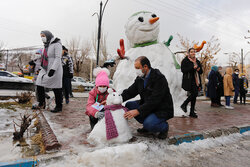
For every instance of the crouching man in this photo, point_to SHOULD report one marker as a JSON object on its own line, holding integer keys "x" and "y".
{"x": 155, "y": 106}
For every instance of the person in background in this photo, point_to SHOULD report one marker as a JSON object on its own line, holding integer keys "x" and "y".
{"x": 243, "y": 83}
{"x": 98, "y": 95}
{"x": 67, "y": 73}
{"x": 35, "y": 67}
{"x": 50, "y": 75}
{"x": 191, "y": 80}
{"x": 220, "y": 87}
{"x": 236, "y": 85}
{"x": 213, "y": 86}
{"x": 228, "y": 87}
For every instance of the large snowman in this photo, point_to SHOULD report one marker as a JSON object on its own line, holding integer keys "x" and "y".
{"x": 142, "y": 30}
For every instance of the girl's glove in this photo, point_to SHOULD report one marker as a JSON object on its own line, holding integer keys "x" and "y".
{"x": 99, "y": 115}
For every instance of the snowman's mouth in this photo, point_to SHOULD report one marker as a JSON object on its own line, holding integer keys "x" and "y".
{"x": 147, "y": 30}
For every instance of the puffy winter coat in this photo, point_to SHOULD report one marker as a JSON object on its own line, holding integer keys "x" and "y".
{"x": 228, "y": 83}
{"x": 155, "y": 97}
{"x": 90, "y": 111}
{"x": 54, "y": 62}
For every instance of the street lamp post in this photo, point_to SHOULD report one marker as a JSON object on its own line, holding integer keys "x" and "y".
{"x": 100, "y": 15}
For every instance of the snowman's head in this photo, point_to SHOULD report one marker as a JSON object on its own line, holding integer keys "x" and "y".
{"x": 142, "y": 27}
{"x": 113, "y": 97}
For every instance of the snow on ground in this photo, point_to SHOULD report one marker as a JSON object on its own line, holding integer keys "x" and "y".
{"x": 208, "y": 152}
{"x": 8, "y": 101}
{"x": 8, "y": 150}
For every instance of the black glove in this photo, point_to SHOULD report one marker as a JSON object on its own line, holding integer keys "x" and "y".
{"x": 233, "y": 90}
{"x": 32, "y": 63}
{"x": 70, "y": 75}
{"x": 51, "y": 73}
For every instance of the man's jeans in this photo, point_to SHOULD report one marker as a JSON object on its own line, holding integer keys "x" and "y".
{"x": 151, "y": 123}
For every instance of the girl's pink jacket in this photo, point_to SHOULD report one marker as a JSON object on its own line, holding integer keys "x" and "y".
{"x": 90, "y": 111}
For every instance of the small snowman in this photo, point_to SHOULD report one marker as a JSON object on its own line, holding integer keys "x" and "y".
{"x": 113, "y": 128}
{"x": 142, "y": 30}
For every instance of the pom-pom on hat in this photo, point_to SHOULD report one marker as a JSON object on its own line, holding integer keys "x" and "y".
{"x": 102, "y": 78}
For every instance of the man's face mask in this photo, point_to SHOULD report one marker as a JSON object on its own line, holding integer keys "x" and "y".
{"x": 139, "y": 72}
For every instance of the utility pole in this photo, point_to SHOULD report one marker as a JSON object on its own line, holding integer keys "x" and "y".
{"x": 100, "y": 15}
{"x": 242, "y": 61}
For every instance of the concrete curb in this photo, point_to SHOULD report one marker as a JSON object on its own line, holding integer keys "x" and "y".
{"x": 188, "y": 138}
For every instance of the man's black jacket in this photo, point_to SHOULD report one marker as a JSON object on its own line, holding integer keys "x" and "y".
{"x": 155, "y": 97}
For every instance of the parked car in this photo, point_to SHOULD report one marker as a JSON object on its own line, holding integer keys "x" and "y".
{"x": 10, "y": 77}
{"x": 12, "y": 81}
{"x": 79, "y": 81}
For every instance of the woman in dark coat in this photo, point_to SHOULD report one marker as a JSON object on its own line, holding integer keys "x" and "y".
{"x": 212, "y": 86}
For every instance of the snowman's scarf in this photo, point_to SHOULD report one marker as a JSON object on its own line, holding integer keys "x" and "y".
{"x": 111, "y": 131}
{"x": 145, "y": 44}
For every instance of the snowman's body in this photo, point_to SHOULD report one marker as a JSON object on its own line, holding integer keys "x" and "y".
{"x": 98, "y": 134}
{"x": 159, "y": 55}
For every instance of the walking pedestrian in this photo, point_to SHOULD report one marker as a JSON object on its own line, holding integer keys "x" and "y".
{"x": 236, "y": 85}
{"x": 191, "y": 81}
{"x": 67, "y": 73}
{"x": 228, "y": 87}
{"x": 50, "y": 75}
{"x": 243, "y": 83}
{"x": 213, "y": 86}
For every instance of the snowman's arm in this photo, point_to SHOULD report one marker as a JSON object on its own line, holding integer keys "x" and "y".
{"x": 169, "y": 41}
{"x": 131, "y": 92}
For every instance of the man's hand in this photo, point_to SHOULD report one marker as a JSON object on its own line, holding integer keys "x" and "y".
{"x": 131, "y": 114}
{"x": 103, "y": 102}
{"x": 198, "y": 69}
{"x": 195, "y": 66}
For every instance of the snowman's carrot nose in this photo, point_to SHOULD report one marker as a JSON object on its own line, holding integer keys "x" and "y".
{"x": 153, "y": 20}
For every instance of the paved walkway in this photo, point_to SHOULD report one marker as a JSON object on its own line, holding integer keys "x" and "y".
{"x": 209, "y": 119}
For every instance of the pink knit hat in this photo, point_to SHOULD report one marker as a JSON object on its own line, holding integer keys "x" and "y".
{"x": 102, "y": 78}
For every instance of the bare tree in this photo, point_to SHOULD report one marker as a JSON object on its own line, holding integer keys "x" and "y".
{"x": 206, "y": 56}
{"x": 79, "y": 53}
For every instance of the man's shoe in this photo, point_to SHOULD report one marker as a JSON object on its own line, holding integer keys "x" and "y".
{"x": 184, "y": 108}
{"x": 163, "y": 135}
{"x": 142, "y": 130}
{"x": 56, "y": 110}
{"x": 194, "y": 115}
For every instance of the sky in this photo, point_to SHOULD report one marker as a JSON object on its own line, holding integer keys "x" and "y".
{"x": 21, "y": 21}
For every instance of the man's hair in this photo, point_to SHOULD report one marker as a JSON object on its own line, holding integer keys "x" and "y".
{"x": 144, "y": 61}
{"x": 236, "y": 69}
{"x": 190, "y": 49}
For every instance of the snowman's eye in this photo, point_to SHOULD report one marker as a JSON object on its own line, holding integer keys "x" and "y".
{"x": 141, "y": 19}
{"x": 113, "y": 94}
{"x": 153, "y": 15}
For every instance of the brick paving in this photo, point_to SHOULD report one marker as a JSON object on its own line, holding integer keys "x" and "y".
{"x": 73, "y": 115}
